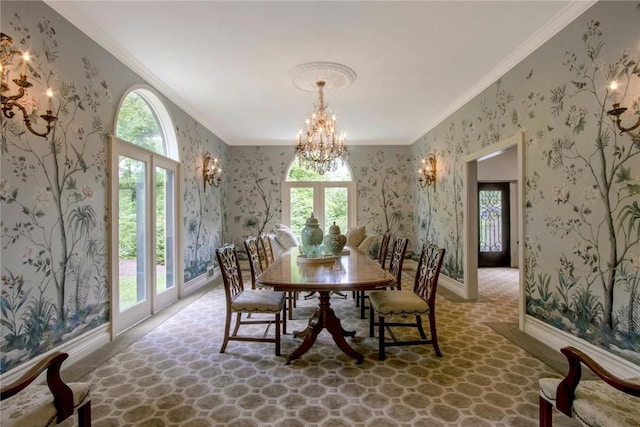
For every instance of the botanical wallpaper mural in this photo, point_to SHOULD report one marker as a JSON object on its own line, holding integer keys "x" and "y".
{"x": 384, "y": 190}
{"x": 202, "y": 206}
{"x": 55, "y": 271}
{"x": 53, "y": 225}
{"x": 255, "y": 174}
{"x": 582, "y": 185}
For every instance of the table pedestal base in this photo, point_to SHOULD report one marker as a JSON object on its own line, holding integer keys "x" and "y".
{"x": 324, "y": 317}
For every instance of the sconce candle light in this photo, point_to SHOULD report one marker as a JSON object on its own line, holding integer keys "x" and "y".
{"x": 11, "y": 101}
{"x": 617, "y": 111}
{"x": 427, "y": 172}
{"x": 211, "y": 172}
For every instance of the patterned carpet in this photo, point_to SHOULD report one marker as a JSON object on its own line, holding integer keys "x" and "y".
{"x": 175, "y": 376}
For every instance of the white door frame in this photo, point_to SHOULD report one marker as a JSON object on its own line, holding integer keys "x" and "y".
{"x": 470, "y": 223}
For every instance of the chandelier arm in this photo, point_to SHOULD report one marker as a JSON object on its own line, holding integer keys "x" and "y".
{"x": 624, "y": 129}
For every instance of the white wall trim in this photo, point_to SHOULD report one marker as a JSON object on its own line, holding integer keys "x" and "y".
{"x": 561, "y": 20}
{"x": 78, "y": 348}
{"x": 557, "y": 339}
{"x": 452, "y": 285}
{"x": 197, "y": 283}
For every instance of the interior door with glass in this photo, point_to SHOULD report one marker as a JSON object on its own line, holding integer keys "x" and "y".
{"x": 143, "y": 235}
{"x": 494, "y": 248}
{"x": 165, "y": 225}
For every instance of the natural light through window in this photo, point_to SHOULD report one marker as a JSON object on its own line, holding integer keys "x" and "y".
{"x": 330, "y": 197}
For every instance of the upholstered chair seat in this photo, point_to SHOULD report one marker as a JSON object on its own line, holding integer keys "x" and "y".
{"x": 258, "y": 301}
{"x": 607, "y": 401}
{"x": 400, "y": 303}
{"x": 34, "y": 405}
{"x": 25, "y": 403}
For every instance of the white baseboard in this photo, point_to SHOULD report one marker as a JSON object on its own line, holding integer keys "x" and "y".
{"x": 452, "y": 285}
{"x": 77, "y": 348}
{"x": 200, "y": 281}
{"x": 557, "y": 339}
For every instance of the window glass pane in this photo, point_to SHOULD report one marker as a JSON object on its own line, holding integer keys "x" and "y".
{"x": 165, "y": 262}
{"x": 301, "y": 207}
{"x": 132, "y": 234}
{"x": 335, "y": 208}
{"x": 138, "y": 124}
{"x": 297, "y": 173}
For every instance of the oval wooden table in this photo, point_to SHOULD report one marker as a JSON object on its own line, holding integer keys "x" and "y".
{"x": 353, "y": 272}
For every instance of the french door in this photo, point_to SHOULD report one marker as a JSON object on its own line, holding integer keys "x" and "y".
{"x": 144, "y": 227}
{"x": 494, "y": 248}
{"x": 329, "y": 202}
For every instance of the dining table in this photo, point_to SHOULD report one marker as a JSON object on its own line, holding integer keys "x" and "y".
{"x": 353, "y": 270}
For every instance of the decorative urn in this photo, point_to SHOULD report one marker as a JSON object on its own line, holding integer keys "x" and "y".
{"x": 311, "y": 237}
{"x": 334, "y": 241}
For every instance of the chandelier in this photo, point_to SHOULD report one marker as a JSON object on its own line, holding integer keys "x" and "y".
{"x": 18, "y": 100}
{"x": 320, "y": 149}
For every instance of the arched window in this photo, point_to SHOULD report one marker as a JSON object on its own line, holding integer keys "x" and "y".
{"x": 144, "y": 159}
{"x": 331, "y": 197}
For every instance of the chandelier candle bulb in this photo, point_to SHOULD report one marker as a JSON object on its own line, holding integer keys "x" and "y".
{"x": 50, "y": 98}
{"x": 25, "y": 58}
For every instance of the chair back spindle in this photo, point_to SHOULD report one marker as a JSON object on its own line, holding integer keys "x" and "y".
{"x": 384, "y": 248}
{"x": 230, "y": 269}
{"x": 255, "y": 264}
{"x": 429, "y": 266}
{"x": 267, "y": 250}
{"x": 397, "y": 259}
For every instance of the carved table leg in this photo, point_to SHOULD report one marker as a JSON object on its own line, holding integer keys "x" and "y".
{"x": 324, "y": 317}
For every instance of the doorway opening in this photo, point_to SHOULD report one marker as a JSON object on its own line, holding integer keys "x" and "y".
{"x": 494, "y": 223}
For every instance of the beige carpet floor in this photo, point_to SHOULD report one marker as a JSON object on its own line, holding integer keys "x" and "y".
{"x": 169, "y": 372}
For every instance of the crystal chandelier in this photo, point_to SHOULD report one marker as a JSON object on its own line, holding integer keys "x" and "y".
{"x": 321, "y": 148}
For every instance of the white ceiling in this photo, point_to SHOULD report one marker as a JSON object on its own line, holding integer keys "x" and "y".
{"x": 228, "y": 63}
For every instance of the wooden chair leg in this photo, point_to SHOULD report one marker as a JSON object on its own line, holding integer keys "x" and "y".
{"x": 227, "y": 326}
{"x": 84, "y": 415}
{"x": 284, "y": 319}
{"x": 546, "y": 413}
{"x": 278, "y": 333}
{"x": 371, "y": 322}
{"x": 381, "y": 355}
{"x": 362, "y": 306}
{"x": 434, "y": 333}
{"x": 291, "y": 304}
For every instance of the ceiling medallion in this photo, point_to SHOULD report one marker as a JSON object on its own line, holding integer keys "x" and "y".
{"x": 336, "y": 76}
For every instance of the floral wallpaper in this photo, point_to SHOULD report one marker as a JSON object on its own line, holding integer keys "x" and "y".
{"x": 202, "y": 207}
{"x": 54, "y": 261}
{"x": 582, "y": 184}
{"x": 255, "y": 174}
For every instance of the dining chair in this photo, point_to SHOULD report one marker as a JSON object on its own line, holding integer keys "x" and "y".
{"x": 382, "y": 258}
{"x": 267, "y": 250}
{"x": 255, "y": 263}
{"x": 24, "y": 404}
{"x": 601, "y": 400}
{"x": 240, "y": 300}
{"x": 395, "y": 269}
{"x": 404, "y": 303}
{"x": 384, "y": 247}
{"x": 269, "y": 258}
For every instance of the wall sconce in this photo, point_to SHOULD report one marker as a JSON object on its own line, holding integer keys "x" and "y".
{"x": 617, "y": 111}
{"x": 11, "y": 101}
{"x": 427, "y": 172}
{"x": 211, "y": 172}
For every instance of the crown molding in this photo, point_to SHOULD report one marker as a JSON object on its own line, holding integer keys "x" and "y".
{"x": 567, "y": 15}
{"x": 80, "y": 21}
